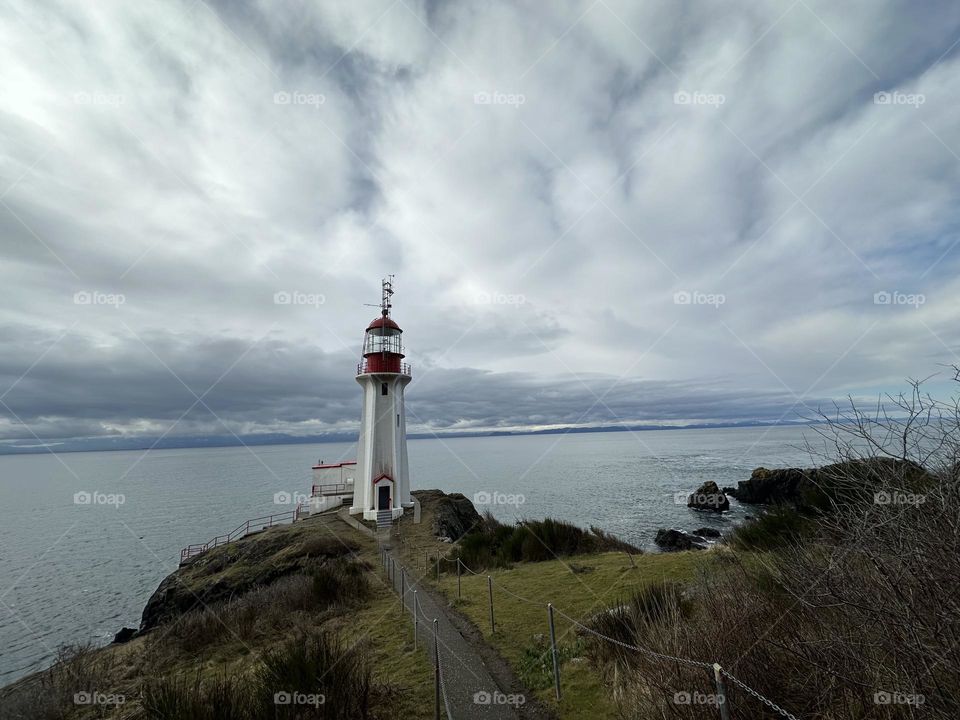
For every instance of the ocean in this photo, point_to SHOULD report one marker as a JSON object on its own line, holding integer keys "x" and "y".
{"x": 85, "y": 538}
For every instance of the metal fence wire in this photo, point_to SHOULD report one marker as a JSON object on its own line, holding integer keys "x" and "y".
{"x": 714, "y": 668}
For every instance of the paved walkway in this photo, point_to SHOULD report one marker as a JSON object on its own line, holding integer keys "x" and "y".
{"x": 468, "y": 689}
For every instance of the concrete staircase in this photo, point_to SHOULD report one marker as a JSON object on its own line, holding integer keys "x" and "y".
{"x": 384, "y": 519}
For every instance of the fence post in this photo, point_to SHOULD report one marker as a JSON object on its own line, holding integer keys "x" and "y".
{"x": 490, "y": 593}
{"x": 416, "y": 619}
{"x": 425, "y": 565}
{"x": 553, "y": 651}
{"x": 438, "y": 565}
{"x": 721, "y": 693}
{"x": 436, "y": 672}
{"x": 403, "y": 583}
{"x": 459, "y": 592}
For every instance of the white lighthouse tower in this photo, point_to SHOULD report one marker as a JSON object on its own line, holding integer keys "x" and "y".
{"x": 381, "y": 489}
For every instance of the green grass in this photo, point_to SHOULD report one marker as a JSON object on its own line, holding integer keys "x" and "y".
{"x": 389, "y": 644}
{"x": 522, "y": 631}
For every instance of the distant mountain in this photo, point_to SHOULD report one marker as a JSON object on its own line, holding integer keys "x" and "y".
{"x": 98, "y": 444}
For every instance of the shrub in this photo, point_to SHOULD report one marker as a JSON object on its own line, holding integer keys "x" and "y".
{"x": 180, "y": 697}
{"x": 324, "y": 678}
{"x": 631, "y": 622}
{"x": 340, "y": 583}
{"x": 495, "y": 544}
{"x": 316, "y": 664}
{"x": 777, "y": 527}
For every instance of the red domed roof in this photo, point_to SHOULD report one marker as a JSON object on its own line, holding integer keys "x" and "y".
{"x": 383, "y": 322}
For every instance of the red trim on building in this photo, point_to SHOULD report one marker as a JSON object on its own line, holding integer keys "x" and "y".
{"x": 335, "y": 465}
{"x": 382, "y": 476}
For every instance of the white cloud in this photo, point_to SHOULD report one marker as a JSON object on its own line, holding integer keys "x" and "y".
{"x": 146, "y": 154}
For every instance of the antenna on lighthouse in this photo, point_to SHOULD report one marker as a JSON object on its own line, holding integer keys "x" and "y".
{"x": 385, "y": 304}
{"x": 386, "y": 293}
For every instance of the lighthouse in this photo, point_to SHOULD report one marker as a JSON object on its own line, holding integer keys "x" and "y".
{"x": 381, "y": 488}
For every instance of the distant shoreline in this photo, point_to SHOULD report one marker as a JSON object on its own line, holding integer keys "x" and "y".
{"x": 182, "y": 443}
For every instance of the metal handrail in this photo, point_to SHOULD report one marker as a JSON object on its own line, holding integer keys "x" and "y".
{"x": 337, "y": 488}
{"x": 242, "y": 530}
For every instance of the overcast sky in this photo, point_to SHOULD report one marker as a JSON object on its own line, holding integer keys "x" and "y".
{"x": 597, "y": 212}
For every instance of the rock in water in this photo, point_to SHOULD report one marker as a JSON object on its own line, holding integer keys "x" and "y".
{"x": 819, "y": 487}
{"x": 708, "y": 497}
{"x": 706, "y": 532}
{"x": 672, "y": 540}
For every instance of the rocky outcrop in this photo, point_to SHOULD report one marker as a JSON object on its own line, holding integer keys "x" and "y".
{"x": 125, "y": 635}
{"x": 673, "y": 540}
{"x": 706, "y": 532}
{"x": 774, "y": 486}
{"x": 708, "y": 497}
{"x": 235, "y": 568}
{"x": 816, "y": 487}
{"x": 453, "y": 515}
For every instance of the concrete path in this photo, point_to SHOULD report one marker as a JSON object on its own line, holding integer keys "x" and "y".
{"x": 468, "y": 689}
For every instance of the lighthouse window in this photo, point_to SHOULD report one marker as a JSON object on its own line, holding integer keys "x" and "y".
{"x": 383, "y": 388}
{"x": 398, "y": 419}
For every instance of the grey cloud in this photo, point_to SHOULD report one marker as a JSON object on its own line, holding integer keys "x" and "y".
{"x": 197, "y": 196}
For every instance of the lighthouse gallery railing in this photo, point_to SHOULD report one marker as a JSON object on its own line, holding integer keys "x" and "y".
{"x": 405, "y": 369}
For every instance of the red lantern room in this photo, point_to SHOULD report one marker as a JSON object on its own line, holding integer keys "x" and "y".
{"x": 382, "y": 345}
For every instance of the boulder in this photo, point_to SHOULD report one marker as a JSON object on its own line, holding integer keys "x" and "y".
{"x": 673, "y": 540}
{"x": 706, "y": 532}
{"x": 710, "y": 497}
{"x": 453, "y": 515}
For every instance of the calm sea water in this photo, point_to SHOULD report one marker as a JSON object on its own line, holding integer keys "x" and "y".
{"x": 76, "y": 572}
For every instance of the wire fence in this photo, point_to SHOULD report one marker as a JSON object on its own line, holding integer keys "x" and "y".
{"x": 418, "y": 615}
{"x": 718, "y": 673}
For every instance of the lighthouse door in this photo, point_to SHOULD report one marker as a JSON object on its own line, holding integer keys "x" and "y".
{"x": 383, "y": 497}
